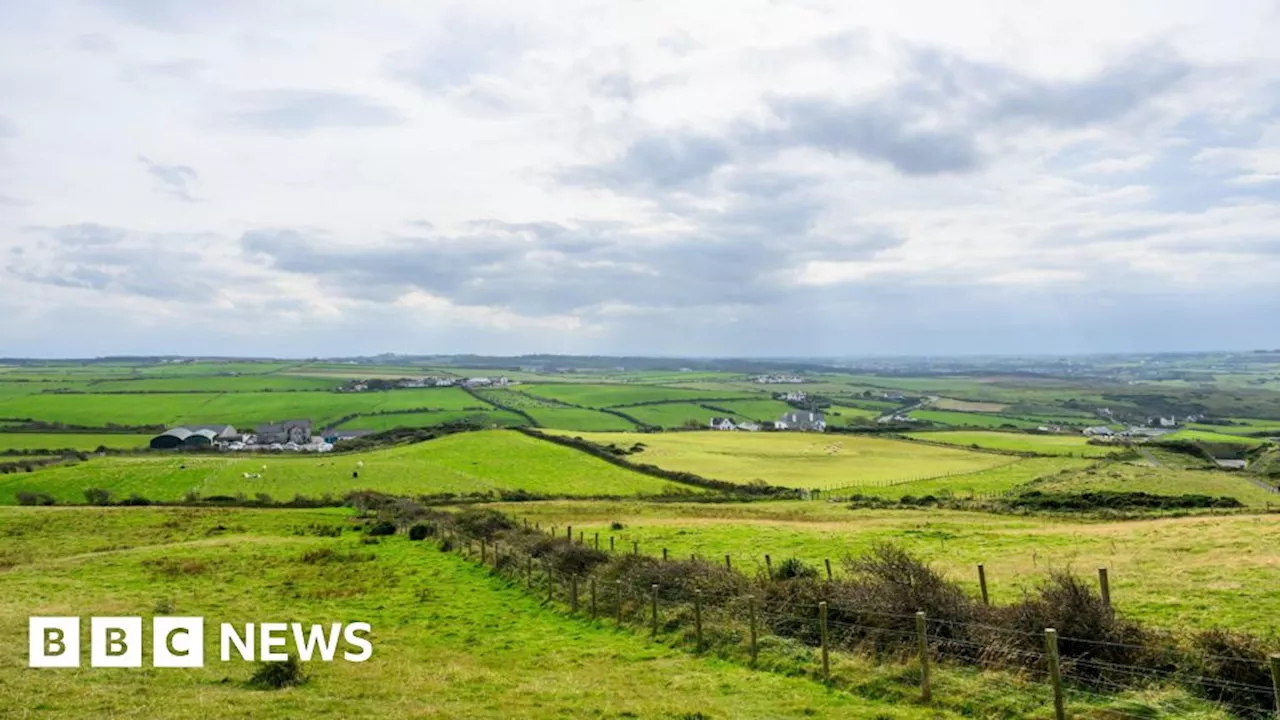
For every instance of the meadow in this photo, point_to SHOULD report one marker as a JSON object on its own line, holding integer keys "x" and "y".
{"x": 1203, "y": 571}
{"x": 215, "y": 384}
{"x": 797, "y": 460}
{"x": 603, "y": 396}
{"x": 1076, "y": 445}
{"x": 466, "y": 462}
{"x": 550, "y": 413}
{"x": 966, "y": 419}
{"x": 675, "y": 415}
{"x": 391, "y": 421}
{"x": 450, "y": 640}
{"x": 241, "y": 409}
{"x": 1134, "y": 477}
{"x": 72, "y": 441}
{"x": 757, "y": 410}
{"x": 1210, "y": 436}
{"x": 1000, "y": 479}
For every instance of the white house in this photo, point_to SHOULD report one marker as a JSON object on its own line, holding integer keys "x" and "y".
{"x": 804, "y": 420}
{"x": 722, "y": 423}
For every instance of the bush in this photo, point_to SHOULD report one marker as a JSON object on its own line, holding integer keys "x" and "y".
{"x": 615, "y": 525}
{"x": 97, "y": 496}
{"x": 483, "y": 524}
{"x": 794, "y": 568}
{"x": 421, "y": 531}
{"x": 135, "y": 500}
{"x": 277, "y": 675}
{"x": 1233, "y": 668}
{"x": 383, "y": 527}
{"x": 31, "y": 498}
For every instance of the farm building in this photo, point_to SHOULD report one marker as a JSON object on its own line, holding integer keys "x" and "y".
{"x": 332, "y": 436}
{"x": 193, "y": 436}
{"x": 295, "y": 431}
{"x": 722, "y": 423}
{"x": 804, "y": 420}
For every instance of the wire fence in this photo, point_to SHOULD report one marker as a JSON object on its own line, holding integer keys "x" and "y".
{"x": 735, "y": 616}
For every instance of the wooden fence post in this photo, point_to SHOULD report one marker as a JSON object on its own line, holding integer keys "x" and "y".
{"x": 597, "y": 541}
{"x": 728, "y": 565}
{"x": 635, "y": 547}
{"x": 568, "y": 533}
{"x": 768, "y": 567}
{"x": 573, "y": 593}
{"x": 529, "y": 572}
{"x": 697, "y": 617}
{"x": 496, "y": 552}
{"x": 822, "y": 624}
{"x": 664, "y": 554}
{"x": 483, "y": 549}
{"x": 1104, "y": 586}
{"x": 751, "y": 605}
{"x": 1055, "y": 672}
{"x": 593, "y": 598}
{"x": 828, "y": 561}
{"x": 1275, "y": 680}
{"x": 922, "y": 637}
{"x": 982, "y": 582}
{"x": 618, "y": 583}
{"x": 581, "y": 536}
{"x": 610, "y": 543}
{"x": 655, "y": 609}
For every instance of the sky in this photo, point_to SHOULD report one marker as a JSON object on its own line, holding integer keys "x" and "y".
{"x": 304, "y": 178}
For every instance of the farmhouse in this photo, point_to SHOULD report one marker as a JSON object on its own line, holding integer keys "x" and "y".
{"x": 1099, "y": 431}
{"x": 804, "y": 420}
{"x": 722, "y": 423}
{"x": 295, "y": 431}
{"x": 193, "y": 436}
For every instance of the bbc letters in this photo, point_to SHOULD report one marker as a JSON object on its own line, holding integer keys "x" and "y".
{"x": 178, "y": 642}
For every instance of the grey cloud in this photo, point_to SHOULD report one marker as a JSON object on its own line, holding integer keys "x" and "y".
{"x": 736, "y": 256}
{"x": 176, "y": 178}
{"x": 8, "y": 128}
{"x": 166, "y": 15}
{"x": 97, "y": 257}
{"x": 95, "y": 43}
{"x": 657, "y": 162}
{"x": 301, "y": 111}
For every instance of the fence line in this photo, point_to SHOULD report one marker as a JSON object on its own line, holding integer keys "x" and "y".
{"x": 683, "y": 605}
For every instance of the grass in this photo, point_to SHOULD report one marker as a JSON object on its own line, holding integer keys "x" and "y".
{"x": 1214, "y": 437}
{"x": 599, "y": 396}
{"x": 450, "y": 640}
{"x": 1076, "y": 445}
{"x": 216, "y": 383}
{"x": 757, "y": 410}
{"x": 674, "y": 415}
{"x": 801, "y": 460}
{"x": 552, "y": 414}
{"x": 466, "y": 462}
{"x": 1129, "y": 477}
{"x": 965, "y": 419}
{"x": 378, "y": 423}
{"x": 999, "y": 479}
{"x": 1196, "y": 572}
{"x": 240, "y": 409}
{"x": 968, "y": 405}
{"x": 74, "y": 441}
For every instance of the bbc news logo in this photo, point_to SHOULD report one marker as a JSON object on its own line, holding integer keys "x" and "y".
{"x": 178, "y": 642}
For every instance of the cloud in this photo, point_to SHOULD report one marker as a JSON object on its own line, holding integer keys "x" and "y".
{"x": 297, "y": 112}
{"x": 176, "y": 178}
{"x": 8, "y": 128}
{"x": 463, "y": 48}
{"x": 657, "y": 162}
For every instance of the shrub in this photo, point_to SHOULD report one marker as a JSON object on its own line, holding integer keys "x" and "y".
{"x": 483, "y": 524}
{"x": 615, "y": 525}
{"x": 31, "y": 498}
{"x": 277, "y": 675}
{"x": 794, "y": 568}
{"x": 382, "y": 527}
{"x": 1233, "y": 668}
{"x": 421, "y": 531}
{"x": 135, "y": 500}
{"x": 97, "y": 496}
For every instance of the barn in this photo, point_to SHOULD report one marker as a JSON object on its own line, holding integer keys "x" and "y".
{"x": 195, "y": 436}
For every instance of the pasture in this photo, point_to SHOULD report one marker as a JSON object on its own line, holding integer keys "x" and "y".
{"x": 966, "y": 419}
{"x": 999, "y": 479}
{"x": 757, "y": 410}
{"x": 1203, "y": 571}
{"x": 486, "y": 461}
{"x": 70, "y": 441}
{"x": 1076, "y": 445}
{"x": 599, "y": 396}
{"x": 450, "y": 640}
{"x": 1210, "y": 436}
{"x": 242, "y": 409}
{"x": 549, "y": 413}
{"x": 1132, "y": 477}
{"x": 674, "y": 415}
{"x": 391, "y": 421}
{"x": 215, "y": 384}
{"x": 968, "y": 405}
{"x": 797, "y": 460}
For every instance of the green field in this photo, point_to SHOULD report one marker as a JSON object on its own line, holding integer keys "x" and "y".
{"x": 849, "y": 415}
{"x": 1076, "y": 445}
{"x": 379, "y": 423}
{"x": 72, "y": 441}
{"x": 465, "y": 462}
{"x": 1176, "y": 572}
{"x": 450, "y": 640}
{"x": 757, "y": 410}
{"x": 798, "y": 460}
{"x": 999, "y": 479}
{"x": 216, "y": 383}
{"x": 552, "y": 414}
{"x": 239, "y": 409}
{"x": 1128, "y": 477}
{"x": 1214, "y": 437}
{"x": 614, "y": 395}
{"x": 966, "y": 419}
{"x": 674, "y": 415}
